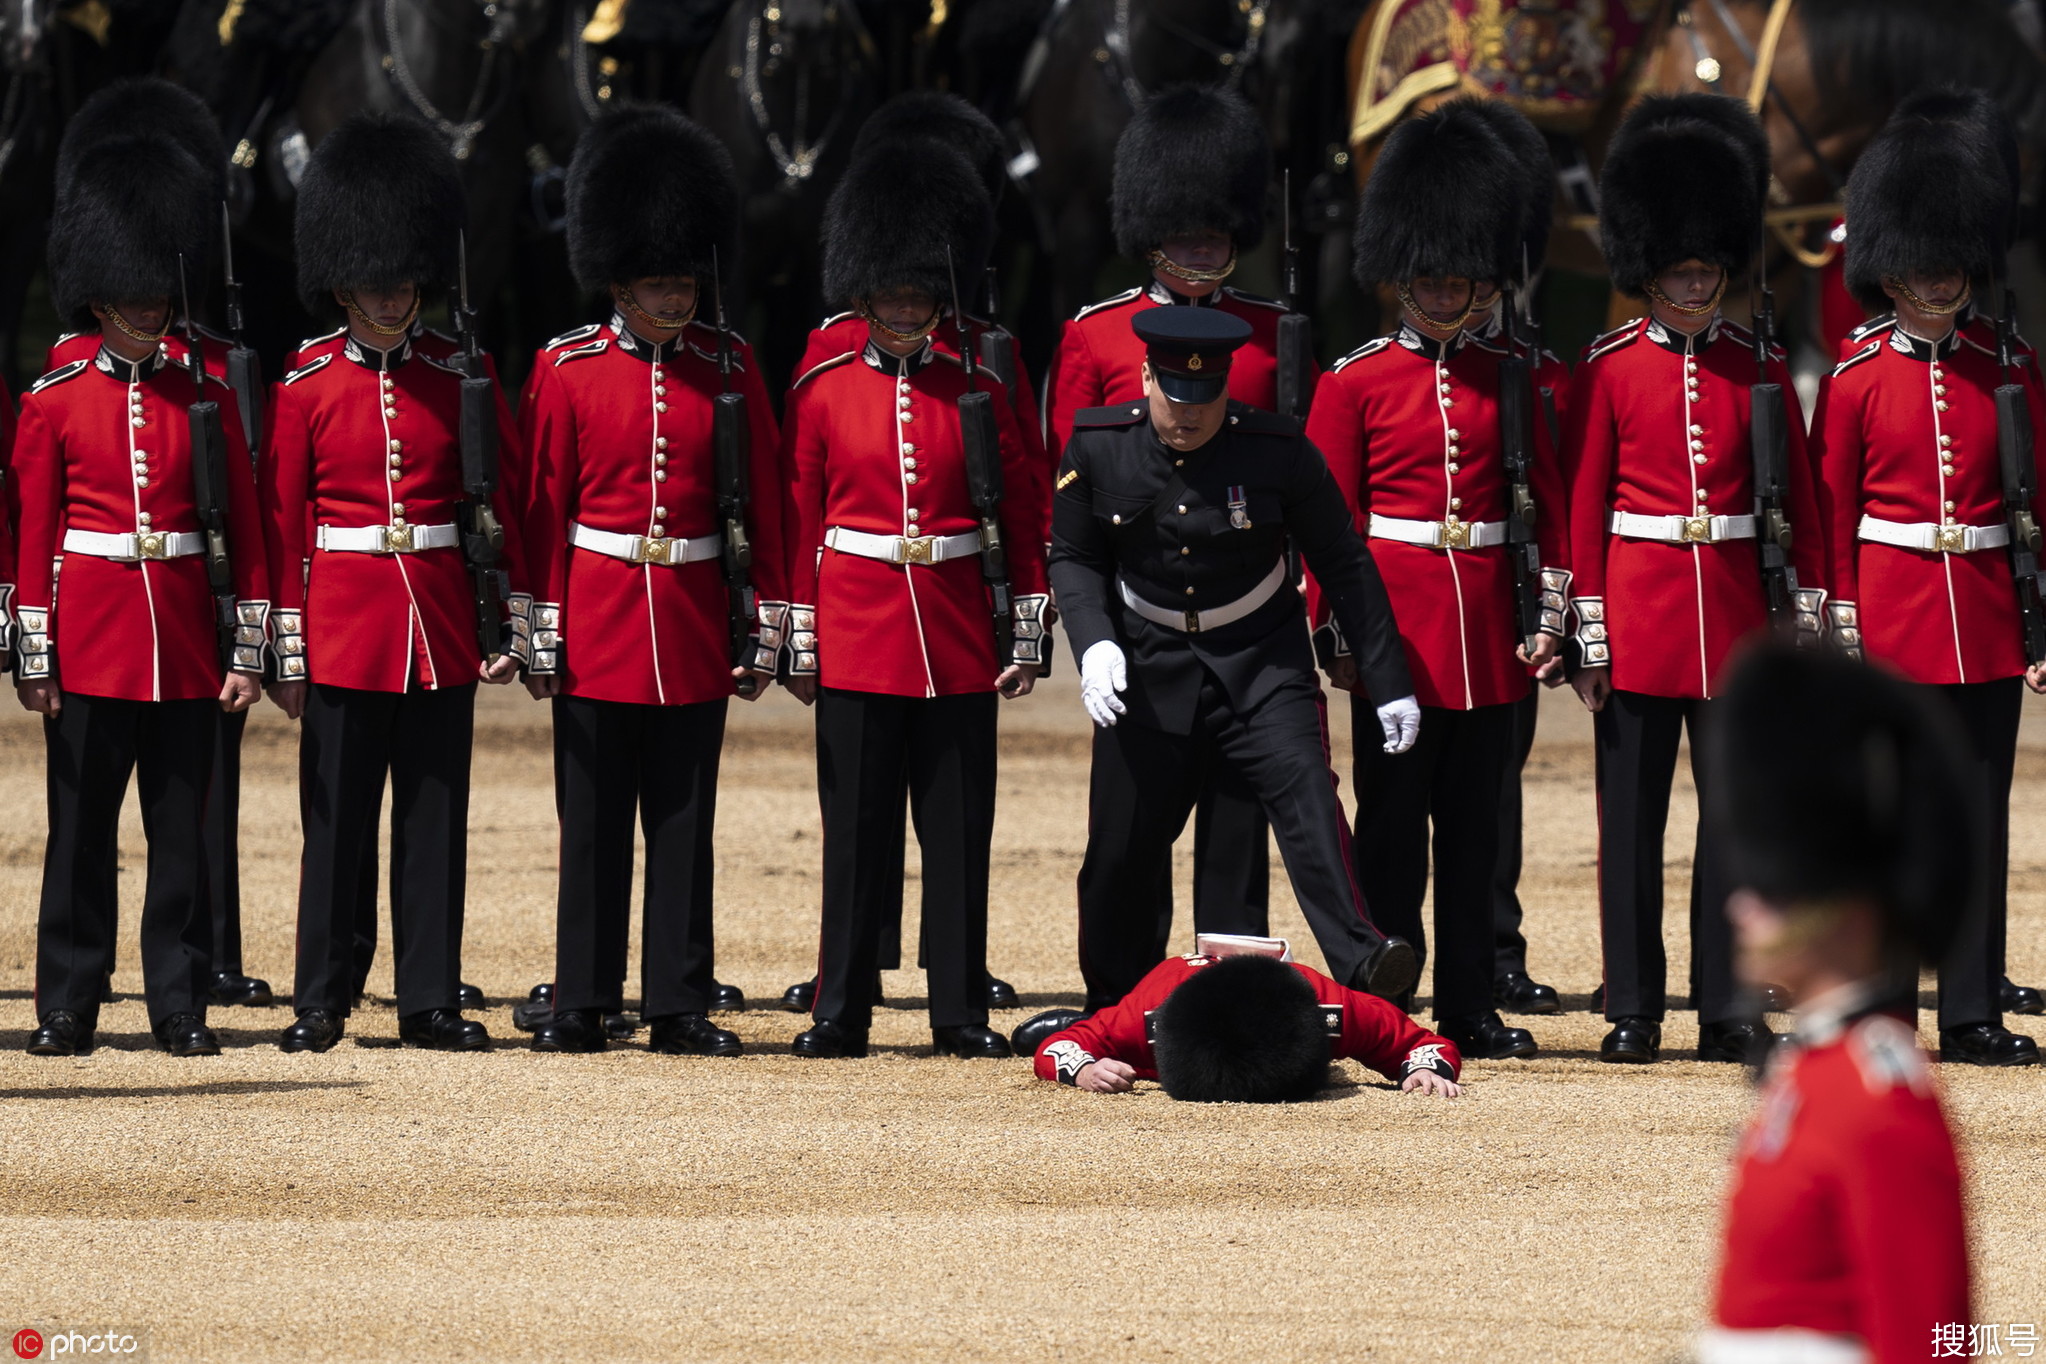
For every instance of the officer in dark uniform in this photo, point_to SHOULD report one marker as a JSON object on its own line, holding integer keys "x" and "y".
{"x": 1169, "y": 526}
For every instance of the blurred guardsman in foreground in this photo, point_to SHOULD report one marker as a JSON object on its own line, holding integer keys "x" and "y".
{"x": 1239, "y": 1021}
{"x": 153, "y": 508}
{"x": 1921, "y": 500}
{"x": 1853, "y": 838}
{"x": 629, "y": 437}
{"x": 402, "y": 608}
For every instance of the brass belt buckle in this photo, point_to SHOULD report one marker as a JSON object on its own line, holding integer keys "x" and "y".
{"x": 916, "y": 550}
{"x": 1950, "y": 539}
{"x": 1193, "y": 622}
{"x": 149, "y": 546}
{"x": 1697, "y": 530}
{"x": 650, "y": 549}
{"x": 1455, "y": 535}
{"x": 397, "y": 539}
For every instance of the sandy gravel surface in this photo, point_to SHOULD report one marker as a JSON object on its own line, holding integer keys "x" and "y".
{"x": 380, "y": 1203}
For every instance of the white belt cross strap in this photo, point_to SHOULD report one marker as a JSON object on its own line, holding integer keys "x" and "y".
{"x": 644, "y": 549}
{"x": 387, "y": 539}
{"x": 1214, "y": 618}
{"x": 1933, "y": 539}
{"x": 1439, "y": 534}
{"x": 1682, "y": 530}
{"x": 903, "y": 549}
{"x": 130, "y": 549}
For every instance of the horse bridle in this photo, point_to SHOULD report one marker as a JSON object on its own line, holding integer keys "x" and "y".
{"x": 503, "y": 17}
{"x": 797, "y": 163}
{"x": 1115, "y": 47}
{"x": 14, "y": 104}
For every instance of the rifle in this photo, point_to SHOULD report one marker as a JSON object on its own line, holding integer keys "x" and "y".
{"x": 997, "y": 344}
{"x": 1516, "y": 443}
{"x": 2020, "y": 477}
{"x": 1294, "y": 341}
{"x": 982, "y": 447}
{"x": 244, "y": 368}
{"x": 729, "y": 433}
{"x": 209, "y": 484}
{"x": 482, "y": 536}
{"x": 1534, "y": 349}
{"x": 1769, "y": 442}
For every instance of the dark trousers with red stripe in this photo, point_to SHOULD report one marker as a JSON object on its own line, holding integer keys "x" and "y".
{"x": 613, "y": 761}
{"x": 349, "y": 742}
{"x": 222, "y": 835}
{"x": 94, "y": 744}
{"x": 1145, "y": 783}
{"x": 1637, "y": 738}
{"x": 1509, "y": 946}
{"x": 873, "y": 749}
{"x": 1971, "y": 973}
{"x": 1450, "y": 778}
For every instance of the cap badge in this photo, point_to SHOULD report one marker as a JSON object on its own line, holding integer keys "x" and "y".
{"x": 1193, "y": 363}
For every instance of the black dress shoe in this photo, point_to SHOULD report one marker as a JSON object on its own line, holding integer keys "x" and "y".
{"x": 443, "y": 1030}
{"x": 690, "y": 1035}
{"x": 543, "y": 993}
{"x": 1485, "y": 1037}
{"x": 1633, "y": 1041}
{"x": 825, "y": 1038}
{"x": 970, "y": 1042}
{"x": 726, "y": 999}
{"x": 1774, "y": 999}
{"x": 1516, "y": 992}
{"x": 1985, "y": 1044}
{"x": 801, "y": 997}
{"x": 232, "y": 988}
{"x": 2020, "y": 999}
{"x": 618, "y": 1027}
{"x": 1390, "y": 971}
{"x": 571, "y": 1030}
{"x": 1035, "y": 1030}
{"x": 1598, "y": 998}
{"x": 533, "y": 1014}
{"x": 1742, "y": 1043}
{"x": 468, "y": 996}
{"x": 315, "y": 1030}
{"x": 61, "y": 1033}
{"x": 186, "y": 1035}
{"x": 1000, "y": 994}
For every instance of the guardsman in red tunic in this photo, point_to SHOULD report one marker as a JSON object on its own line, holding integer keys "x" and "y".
{"x": 128, "y": 668}
{"x": 1410, "y": 425}
{"x": 624, "y": 541}
{"x": 1666, "y": 574}
{"x": 377, "y": 640}
{"x": 1852, "y": 834}
{"x": 1192, "y": 173}
{"x": 1237, "y": 1020}
{"x": 891, "y": 624}
{"x": 1910, "y": 480}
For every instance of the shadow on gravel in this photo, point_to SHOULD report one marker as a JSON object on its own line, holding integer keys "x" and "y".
{"x": 207, "y": 1087}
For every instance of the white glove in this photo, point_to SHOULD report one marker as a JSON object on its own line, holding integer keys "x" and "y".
{"x": 1401, "y": 721}
{"x": 1103, "y": 673}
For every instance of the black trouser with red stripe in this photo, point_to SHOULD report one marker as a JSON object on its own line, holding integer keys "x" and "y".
{"x": 1509, "y": 947}
{"x": 222, "y": 834}
{"x": 871, "y": 750}
{"x": 1637, "y": 740}
{"x": 1971, "y": 973}
{"x": 1144, "y": 785}
{"x": 614, "y": 760}
{"x": 1451, "y": 778}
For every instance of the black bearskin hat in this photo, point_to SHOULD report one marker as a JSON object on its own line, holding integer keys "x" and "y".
{"x": 153, "y": 105}
{"x": 381, "y": 205}
{"x": 134, "y": 203}
{"x": 1538, "y": 190}
{"x": 928, "y": 116}
{"x": 1194, "y": 157}
{"x": 649, "y": 193}
{"x": 1686, "y": 176}
{"x": 1244, "y": 1030}
{"x": 1835, "y": 781}
{"x": 1936, "y": 189}
{"x": 1445, "y": 199}
{"x": 892, "y": 217}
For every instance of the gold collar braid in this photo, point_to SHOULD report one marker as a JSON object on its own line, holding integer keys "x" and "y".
{"x": 134, "y": 333}
{"x": 411, "y": 315}
{"x": 1161, "y": 261}
{"x": 866, "y": 310}
{"x": 631, "y": 305}
{"x": 1687, "y": 309}
{"x": 1432, "y": 323}
{"x": 1930, "y": 309}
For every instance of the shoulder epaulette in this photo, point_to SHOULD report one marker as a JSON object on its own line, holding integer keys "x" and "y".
{"x": 1255, "y": 421}
{"x": 1256, "y": 300}
{"x": 1368, "y": 348}
{"x": 817, "y": 369}
{"x": 313, "y": 366}
{"x": 1886, "y": 1053}
{"x": 58, "y": 375}
{"x": 1113, "y": 301}
{"x": 1851, "y": 361}
{"x": 1548, "y": 357}
{"x": 67, "y": 336}
{"x": 1875, "y": 326}
{"x": 1122, "y": 414}
{"x": 312, "y": 341}
{"x": 569, "y": 338}
{"x": 441, "y": 362}
{"x": 1619, "y": 338}
{"x": 596, "y": 347}
{"x": 834, "y": 319}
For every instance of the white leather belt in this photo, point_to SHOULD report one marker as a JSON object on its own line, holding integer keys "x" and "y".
{"x": 134, "y": 548}
{"x": 387, "y": 539}
{"x": 1682, "y": 530}
{"x": 644, "y": 549}
{"x": 1439, "y": 534}
{"x": 1214, "y": 618}
{"x": 1931, "y": 538}
{"x": 903, "y": 549}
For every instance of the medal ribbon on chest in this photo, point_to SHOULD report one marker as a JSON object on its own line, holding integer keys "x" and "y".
{"x": 1238, "y": 516}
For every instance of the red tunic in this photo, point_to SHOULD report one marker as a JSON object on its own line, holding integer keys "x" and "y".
{"x": 7, "y": 518}
{"x": 1906, "y": 432}
{"x": 1642, "y": 440}
{"x": 1410, "y": 429}
{"x": 338, "y": 454}
{"x": 871, "y": 444}
{"x": 1372, "y": 1030}
{"x": 1845, "y": 1217}
{"x": 105, "y": 447}
{"x": 618, "y": 434}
